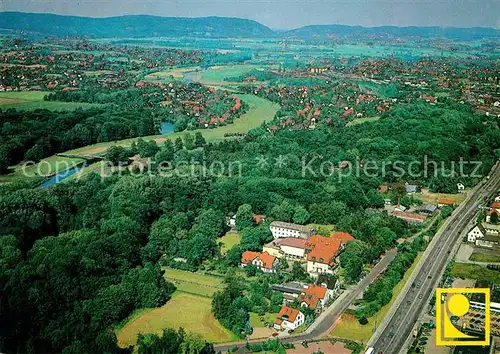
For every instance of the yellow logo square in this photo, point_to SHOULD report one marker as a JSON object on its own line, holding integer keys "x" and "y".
{"x": 454, "y": 302}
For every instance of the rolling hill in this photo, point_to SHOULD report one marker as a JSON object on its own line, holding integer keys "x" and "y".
{"x": 137, "y": 26}
{"x": 132, "y": 26}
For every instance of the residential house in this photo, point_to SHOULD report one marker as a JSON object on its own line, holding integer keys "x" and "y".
{"x": 475, "y": 233}
{"x": 289, "y": 319}
{"x": 290, "y": 248}
{"x": 412, "y": 218}
{"x": 314, "y": 297}
{"x": 485, "y": 235}
{"x": 497, "y": 198}
{"x": 321, "y": 255}
{"x": 281, "y": 229}
{"x": 445, "y": 202}
{"x": 263, "y": 261}
{"x": 410, "y": 188}
{"x": 428, "y": 209}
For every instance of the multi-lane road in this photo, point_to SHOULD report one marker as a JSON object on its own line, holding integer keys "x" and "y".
{"x": 395, "y": 330}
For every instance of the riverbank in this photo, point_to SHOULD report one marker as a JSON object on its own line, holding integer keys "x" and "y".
{"x": 260, "y": 110}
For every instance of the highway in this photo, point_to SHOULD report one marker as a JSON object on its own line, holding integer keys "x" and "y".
{"x": 394, "y": 331}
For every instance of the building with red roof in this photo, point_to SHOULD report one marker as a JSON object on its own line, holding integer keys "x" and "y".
{"x": 321, "y": 254}
{"x": 313, "y": 296}
{"x": 412, "y": 218}
{"x": 263, "y": 261}
{"x": 288, "y": 318}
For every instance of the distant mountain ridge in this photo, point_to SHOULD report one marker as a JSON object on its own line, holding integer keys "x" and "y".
{"x": 323, "y": 31}
{"x": 132, "y": 26}
{"x": 137, "y": 26}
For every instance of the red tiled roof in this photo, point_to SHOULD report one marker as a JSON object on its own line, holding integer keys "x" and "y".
{"x": 266, "y": 258}
{"x": 292, "y": 242}
{"x": 495, "y": 205}
{"x": 344, "y": 237}
{"x": 312, "y": 295}
{"x": 409, "y": 216}
{"x": 446, "y": 201}
{"x": 258, "y": 218}
{"x": 323, "y": 249}
{"x": 289, "y": 312}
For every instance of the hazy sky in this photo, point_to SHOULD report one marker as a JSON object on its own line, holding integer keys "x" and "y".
{"x": 287, "y": 13}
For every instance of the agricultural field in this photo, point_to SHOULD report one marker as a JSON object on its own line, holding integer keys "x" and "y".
{"x": 229, "y": 240}
{"x": 191, "y": 312}
{"x": 171, "y": 74}
{"x": 349, "y": 327}
{"x": 193, "y": 283}
{"x": 215, "y": 75}
{"x": 30, "y": 100}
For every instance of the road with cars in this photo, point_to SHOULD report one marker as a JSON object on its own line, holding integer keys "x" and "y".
{"x": 394, "y": 332}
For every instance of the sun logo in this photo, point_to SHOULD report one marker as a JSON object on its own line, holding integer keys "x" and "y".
{"x": 452, "y": 307}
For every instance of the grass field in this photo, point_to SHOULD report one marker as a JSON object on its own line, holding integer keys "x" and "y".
{"x": 229, "y": 240}
{"x": 176, "y": 73}
{"x": 473, "y": 271}
{"x": 191, "y": 312}
{"x": 324, "y": 230}
{"x": 362, "y": 120}
{"x": 349, "y": 326}
{"x": 217, "y": 74}
{"x": 30, "y": 100}
{"x": 431, "y": 198}
{"x": 256, "y": 322}
{"x": 193, "y": 283}
{"x": 481, "y": 257}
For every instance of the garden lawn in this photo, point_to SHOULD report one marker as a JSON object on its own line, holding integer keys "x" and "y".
{"x": 191, "y": 312}
{"x": 229, "y": 240}
{"x": 348, "y": 327}
{"x": 256, "y": 322}
{"x": 193, "y": 283}
{"x": 473, "y": 271}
